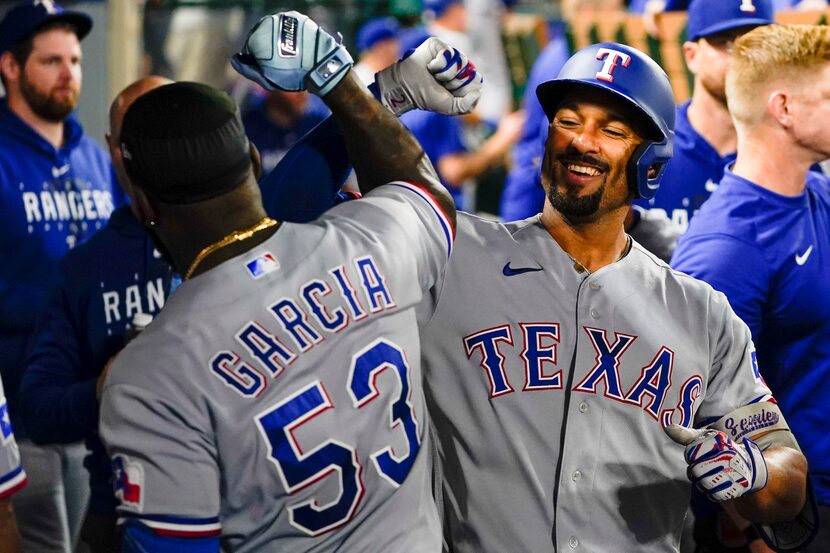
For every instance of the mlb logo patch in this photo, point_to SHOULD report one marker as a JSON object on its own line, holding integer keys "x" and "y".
{"x": 128, "y": 479}
{"x": 262, "y": 265}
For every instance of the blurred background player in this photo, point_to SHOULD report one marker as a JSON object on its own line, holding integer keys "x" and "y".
{"x": 706, "y": 138}
{"x": 763, "y": 237}
{"x": 101, "y": 286}
{"x": 57, "y": 188}
{"x": 277, "y": 120}
{"x": 378, "y": 45}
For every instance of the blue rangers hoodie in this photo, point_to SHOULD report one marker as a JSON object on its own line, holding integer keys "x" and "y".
{"x": 101, "y": 285}
{"x": 51, "y": 198}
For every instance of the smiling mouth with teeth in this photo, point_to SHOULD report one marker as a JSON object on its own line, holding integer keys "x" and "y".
{"x": 583, "y": 170}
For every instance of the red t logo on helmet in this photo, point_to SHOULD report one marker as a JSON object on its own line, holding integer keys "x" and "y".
{"x": 612, "y": 60}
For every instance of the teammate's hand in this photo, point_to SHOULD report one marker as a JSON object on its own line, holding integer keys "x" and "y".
{"x": 718, "y": 467}
{"x": 434, "y": 77}
{"x": 289, "y": 51}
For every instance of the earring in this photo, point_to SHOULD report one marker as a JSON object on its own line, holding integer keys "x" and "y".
{"x": 150, "y": 223}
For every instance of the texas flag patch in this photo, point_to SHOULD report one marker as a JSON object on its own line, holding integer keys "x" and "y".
{"x": 128, "y": 479}
{"x": 262, "y": 265}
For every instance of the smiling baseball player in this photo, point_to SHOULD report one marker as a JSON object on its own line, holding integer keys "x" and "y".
{"x": 565, "y": 366}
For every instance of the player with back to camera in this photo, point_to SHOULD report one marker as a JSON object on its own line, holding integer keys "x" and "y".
{"x": 562, "y": 361}
{"x": 276, "y": 401}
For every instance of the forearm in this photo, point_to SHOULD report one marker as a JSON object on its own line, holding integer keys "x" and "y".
{"x": 381, "y": 148}
{"x": 785, "y": 493}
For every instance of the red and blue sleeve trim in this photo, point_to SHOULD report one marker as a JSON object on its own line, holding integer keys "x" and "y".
{"x": 183, "y": 527}
{"x": 420, "y": 191}
{"x": 12, "y": 482}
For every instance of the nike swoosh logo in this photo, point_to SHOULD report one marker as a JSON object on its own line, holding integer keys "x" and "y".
{"x": 710, "y": 185}
{"x": 511, "y": 271}
{"x": 802, "y": 259}
{"x": 58, "y": 171}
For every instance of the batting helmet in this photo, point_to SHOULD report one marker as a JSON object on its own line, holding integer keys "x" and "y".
{"x": 634, "y": 77}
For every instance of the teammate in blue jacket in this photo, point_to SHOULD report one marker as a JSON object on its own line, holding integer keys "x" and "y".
{"x": 763, "y": 238}
{"x": 705, "y": 138}
{"x": 56, "y": 189}
{"x": 101, "y": 285}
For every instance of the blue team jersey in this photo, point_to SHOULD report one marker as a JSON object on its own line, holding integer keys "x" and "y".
{"x": 273, "y": 140}
{"x": 690, "y": 178}
{"x": 101, "y": 285}
{"x": 439, "y": 135}
{"x": 770, "y": 255}
{"x": 51, "y": 199}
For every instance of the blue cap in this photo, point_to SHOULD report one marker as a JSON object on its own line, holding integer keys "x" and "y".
{"x": 707, "y": 17}
{"x": 27, "y": 17}
{"x": 375, "y": 30}
{"x": 438, "y": 7}
{"x": 413, "y": 37}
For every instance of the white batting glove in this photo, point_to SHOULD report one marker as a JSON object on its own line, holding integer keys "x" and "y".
{"x": 718, "y": 467}
{"x": 289, "y": 51}
{"x": 435, "y": 77}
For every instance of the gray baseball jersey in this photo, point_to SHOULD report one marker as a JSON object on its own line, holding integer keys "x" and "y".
{"x": 277, "y": 400}
{"x": 549, "y": 389}
{"x": 12, "y": 475}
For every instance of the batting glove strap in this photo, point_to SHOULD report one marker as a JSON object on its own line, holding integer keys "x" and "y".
{"x": 723, "y": 470}
{"x": 289, "y": 51}
{"x": 433, "y": 77}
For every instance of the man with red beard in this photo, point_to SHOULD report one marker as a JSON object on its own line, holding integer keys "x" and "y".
{"x": 56, "y": 189}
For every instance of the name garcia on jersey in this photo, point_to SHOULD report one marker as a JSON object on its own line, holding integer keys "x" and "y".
{"x": 303, "y": 323}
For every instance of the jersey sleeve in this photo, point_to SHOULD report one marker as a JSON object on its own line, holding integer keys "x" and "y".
{"x": 12, "y": 475}
{"x": 164, "y": 468}
{"x": 735, "y": 379}
{"x": 712, "y": 259}
{"x": 404, "y": 225}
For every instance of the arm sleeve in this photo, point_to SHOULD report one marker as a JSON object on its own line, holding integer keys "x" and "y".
{"x": 712, "y": 258}
{"x": 57, "y": 397}
{"x": 735, "y": 379}
{"x": 137, "y": 538}
{"x": 305, "y": 182}
{"x": 12, "y": 475}
{"x": 165, "y": 472}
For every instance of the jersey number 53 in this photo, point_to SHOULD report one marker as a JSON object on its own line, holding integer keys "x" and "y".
{"x": 298, "y": 469}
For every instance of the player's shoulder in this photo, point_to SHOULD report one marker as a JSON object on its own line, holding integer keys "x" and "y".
{"x": 659, "y": 275}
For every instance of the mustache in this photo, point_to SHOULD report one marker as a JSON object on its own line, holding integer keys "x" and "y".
{"x": 568, "y": 157}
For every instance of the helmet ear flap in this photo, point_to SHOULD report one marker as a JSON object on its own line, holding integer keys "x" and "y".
{"x": 646, "y": 167}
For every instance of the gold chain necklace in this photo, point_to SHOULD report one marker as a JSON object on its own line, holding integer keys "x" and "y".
{"x": 235, "y": 236}
{"x": 579, "y": 268}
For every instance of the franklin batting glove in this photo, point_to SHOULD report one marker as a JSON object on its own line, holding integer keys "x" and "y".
{"x": 434, "y": 77}
{"x": 718, "y": 467}
{"x": 289, "y": 51}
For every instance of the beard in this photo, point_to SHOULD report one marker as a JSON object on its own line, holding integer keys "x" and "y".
{"x": 569, "y": 203}
{"x": 45, "y": 105}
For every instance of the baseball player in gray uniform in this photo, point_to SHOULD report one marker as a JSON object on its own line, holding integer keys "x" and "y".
{"x": 276, "y": 403}
{"x": 564, "y": 364}
{"x": 12, "y": 479}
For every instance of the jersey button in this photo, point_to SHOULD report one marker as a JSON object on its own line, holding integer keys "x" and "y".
{"x": 595, "y": 313}
{"x": 595, "y": 286}
{"x": 583, "y": 407}
{"x": 573, "y": 542}
{"x": 576, "y": 475}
